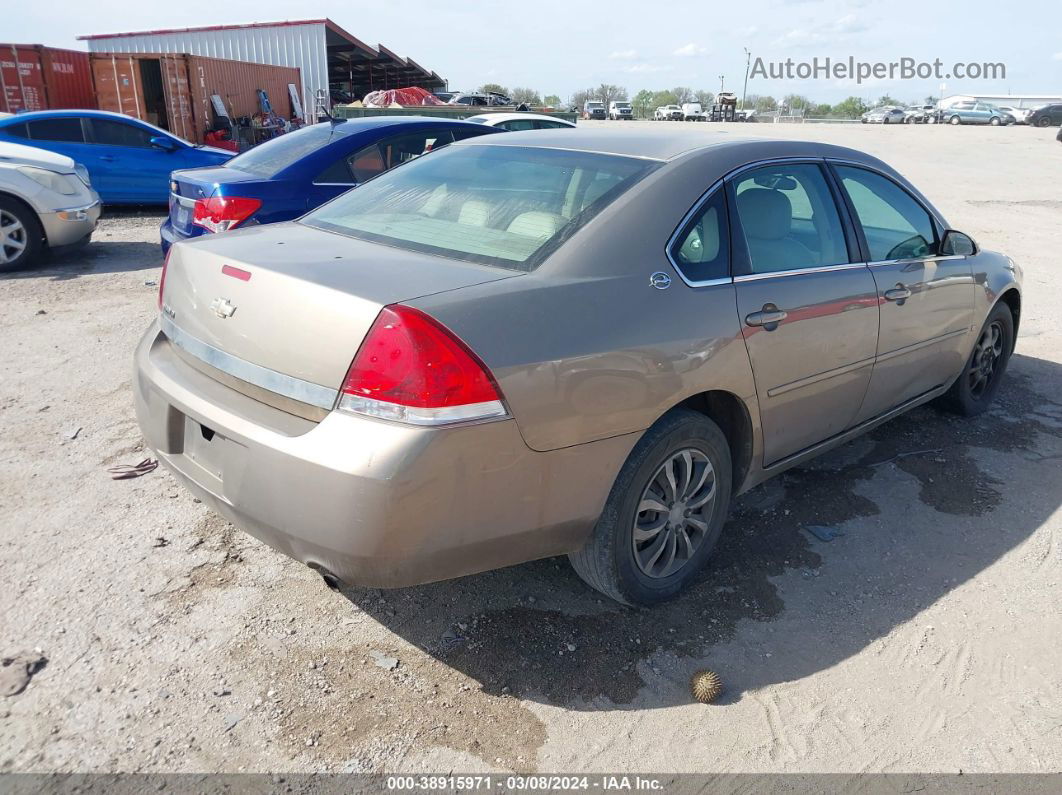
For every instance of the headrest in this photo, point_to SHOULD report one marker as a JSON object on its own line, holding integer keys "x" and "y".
{"x": 537, "y": 224}
{"x": 765, "y": 213}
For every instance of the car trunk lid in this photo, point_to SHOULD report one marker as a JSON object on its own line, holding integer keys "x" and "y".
{"x": 285, "y": 307}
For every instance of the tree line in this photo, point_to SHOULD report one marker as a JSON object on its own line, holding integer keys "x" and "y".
{"x": 646, "y": 101}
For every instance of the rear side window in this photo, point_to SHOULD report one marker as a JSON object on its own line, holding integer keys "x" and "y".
{"x": 65, "y": 129}
{"x": 702, "y": 250}
{"x": 789, "y": 218}
{"x": 17, "y": 130}
{"x": 116, "y": 133}
{"x": 497, "y": 205}
{"x": 894, "y": 224}
{"x": 518, "y": 124}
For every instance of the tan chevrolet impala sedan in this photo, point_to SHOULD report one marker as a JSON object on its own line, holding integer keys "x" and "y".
{"x": 560, "y": 342}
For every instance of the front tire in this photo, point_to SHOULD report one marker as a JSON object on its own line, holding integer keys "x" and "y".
{"x": 994, "y": 121}
{"x": 21, "y": 237}
{"x": 1044, "y": 122}
{"x": 954, "y": 120}
{"x": 664, "y": 514}
{"x": 974, "y": 389}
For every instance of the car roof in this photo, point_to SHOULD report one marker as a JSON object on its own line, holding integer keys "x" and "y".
{"x": 96, "y": 114}
{"x": 348, "y": 126}
{"x": 664, "y": 145}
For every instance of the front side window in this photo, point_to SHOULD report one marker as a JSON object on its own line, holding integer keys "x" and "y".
{"x": 497, "y": 205}
{"x": 789, "y": 218}
{"x": 702, "y": 251}
{"x": 116, "y": 133}
{"x": 63, "y": 129}
{"x": 894, "y": 224}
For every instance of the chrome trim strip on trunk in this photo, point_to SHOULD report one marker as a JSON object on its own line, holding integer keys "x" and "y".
{"x": 286, "y": 385}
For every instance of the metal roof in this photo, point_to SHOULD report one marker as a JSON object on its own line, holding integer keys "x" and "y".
{"x": 325, "y": 53}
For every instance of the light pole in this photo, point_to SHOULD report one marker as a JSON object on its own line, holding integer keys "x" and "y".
{"x": 720, "y": 84}
{"x": 745, "y": 90}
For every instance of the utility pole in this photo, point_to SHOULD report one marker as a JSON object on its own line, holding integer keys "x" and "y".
{"x": 745, "y": 90}
{"x": 720, "y": 84}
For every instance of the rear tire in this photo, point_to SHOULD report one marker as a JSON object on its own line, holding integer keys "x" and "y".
{"x": 641, "y": 557}
{"x": 974, "y": 389}
{"x": 994, "y": 121}
{"x": 21, "y": 236}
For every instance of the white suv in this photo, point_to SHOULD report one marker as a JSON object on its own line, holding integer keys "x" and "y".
{"x": 46, "y": 203}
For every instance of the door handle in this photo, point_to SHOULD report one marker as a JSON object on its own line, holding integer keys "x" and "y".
{"x": 769, "y": 317}
{"x": 107, "y": 158}
{"x": 897, "y": 293}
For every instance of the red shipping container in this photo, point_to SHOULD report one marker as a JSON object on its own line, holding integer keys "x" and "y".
{"x": 35, "y": 77}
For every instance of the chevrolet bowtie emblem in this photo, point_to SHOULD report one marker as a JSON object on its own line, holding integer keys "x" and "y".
{"x": 222, "y": 308}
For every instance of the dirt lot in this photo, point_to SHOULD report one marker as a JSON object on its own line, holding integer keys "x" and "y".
{"x": 925, "y": 638}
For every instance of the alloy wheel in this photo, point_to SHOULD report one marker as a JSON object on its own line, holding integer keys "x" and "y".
{"x": 674, "y": 513}
{"x": 985, "y": 359}
{"x": 13, "y": 238}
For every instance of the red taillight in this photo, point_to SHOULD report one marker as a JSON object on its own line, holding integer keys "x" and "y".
{"x": 162, "y": 277}
{"x": 222, "y": 213}
{"x": 411, "y": 368}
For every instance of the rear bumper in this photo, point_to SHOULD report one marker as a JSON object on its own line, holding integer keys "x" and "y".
{"x": 375, "y": 503}
{"x": 168, "y": 235}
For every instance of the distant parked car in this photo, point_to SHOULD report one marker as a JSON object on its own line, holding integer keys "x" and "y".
{"x": 883, "y": 115}
{"x": 620, "y": 110}
{"x": 283, "y": 178}
{"x": 129, "y": 161}
{"x": 46, "y": 203}
{"x": 692, "y": 111}
{"x": 668, "y": 113}
{"x": 519, "y": 121}
{"x": 1047, "y": 116}
{"x": 593, "y": 109}
{"x": 478, "y": 99}
{"x": 1019, "y": 114}
{"x": 976, "y": 113}
{"x": 920, "y": 114}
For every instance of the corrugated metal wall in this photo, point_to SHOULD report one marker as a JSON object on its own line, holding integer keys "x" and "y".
{"x": 33, "y": 77}
{"x": 188, "y": 81}
{"x": 301, "y": 46}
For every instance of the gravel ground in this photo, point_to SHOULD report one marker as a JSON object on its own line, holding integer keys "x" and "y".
{"x": 924, "y": 638}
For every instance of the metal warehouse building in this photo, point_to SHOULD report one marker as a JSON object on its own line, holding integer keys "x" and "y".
{"x": 327, "y": 56}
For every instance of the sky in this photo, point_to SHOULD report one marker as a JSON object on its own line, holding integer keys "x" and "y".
{"x": 562, "y": 46}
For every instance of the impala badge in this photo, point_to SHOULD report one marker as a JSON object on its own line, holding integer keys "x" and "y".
{"x": 660, "y": 280}
{"x": 222, "y": 308}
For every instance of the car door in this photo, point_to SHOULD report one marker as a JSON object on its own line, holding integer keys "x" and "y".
{"x": 133, "y": 170}
{"x": 926, "y": 300}
{"x": 807, "y": 306}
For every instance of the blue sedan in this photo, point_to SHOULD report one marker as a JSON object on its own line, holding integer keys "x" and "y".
{"x": 286, "y": 177}
{"x": 129, "y": 161}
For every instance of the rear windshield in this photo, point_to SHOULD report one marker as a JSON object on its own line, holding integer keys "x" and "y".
{"x": 498, "y": 205}
{"x": 270, "y": 158}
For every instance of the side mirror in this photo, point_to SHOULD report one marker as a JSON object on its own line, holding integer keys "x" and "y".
{"x": 161, "y": 142}
{"x": 956, "y": 244}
